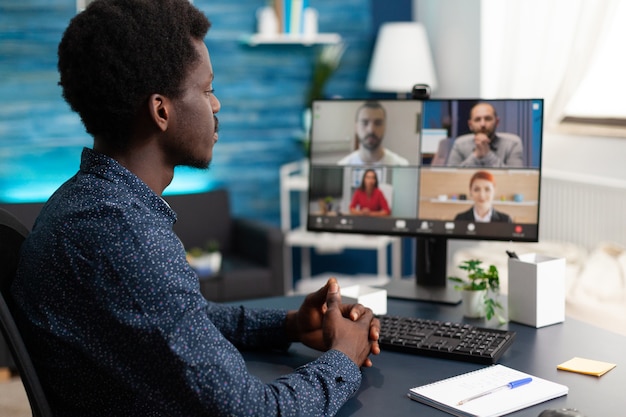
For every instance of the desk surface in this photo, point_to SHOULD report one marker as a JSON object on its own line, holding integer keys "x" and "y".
{"x": 535, "y": 351}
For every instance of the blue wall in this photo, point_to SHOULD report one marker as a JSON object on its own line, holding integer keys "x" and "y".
{"x": 37, "y": 128}
{"x": 261, "y": 89}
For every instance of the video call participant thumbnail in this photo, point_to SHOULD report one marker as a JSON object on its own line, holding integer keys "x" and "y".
{"x": 370, "y": 125}
{"x": 482, "y": 189}
{"x": 484, "y": 147}
{"x": 368, "y": 199}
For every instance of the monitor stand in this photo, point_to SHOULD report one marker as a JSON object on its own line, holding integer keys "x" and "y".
{"x": 430, "y": 283}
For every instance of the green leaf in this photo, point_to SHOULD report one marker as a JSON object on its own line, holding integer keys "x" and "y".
{"x": 480, "y": 279}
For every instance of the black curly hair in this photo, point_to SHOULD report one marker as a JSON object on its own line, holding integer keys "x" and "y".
{"x": 117, "y": 53}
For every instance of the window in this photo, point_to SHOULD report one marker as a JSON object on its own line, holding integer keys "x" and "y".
{"x": 565, "y": 51}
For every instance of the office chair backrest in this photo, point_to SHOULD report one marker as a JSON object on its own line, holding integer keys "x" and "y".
{"x": 12, "y": 235}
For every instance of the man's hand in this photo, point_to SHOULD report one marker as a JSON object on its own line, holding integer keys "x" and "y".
{"x": 313, "y": 326}
{"x": 356, "y": 334}
{"x": 481, "y": 145}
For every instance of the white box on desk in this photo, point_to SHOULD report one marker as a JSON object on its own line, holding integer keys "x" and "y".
{"x": 536, "y": 290}
{"x": 374, "y": 298}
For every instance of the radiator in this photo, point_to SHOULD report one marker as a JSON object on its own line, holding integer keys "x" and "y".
{"x": 580, "y": 209}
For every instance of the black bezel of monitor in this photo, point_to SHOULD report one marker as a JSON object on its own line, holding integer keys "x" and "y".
{"x": 414, "y": 121}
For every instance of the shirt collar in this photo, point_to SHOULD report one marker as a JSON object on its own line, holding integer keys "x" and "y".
{"x": 96, "y": 163}
{"x": 484, "y": 219}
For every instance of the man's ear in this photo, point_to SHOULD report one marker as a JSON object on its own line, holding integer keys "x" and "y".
{"x": 159, "y": 109}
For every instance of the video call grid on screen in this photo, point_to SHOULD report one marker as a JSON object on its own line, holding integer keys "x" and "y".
{"x": 425, "y": 192}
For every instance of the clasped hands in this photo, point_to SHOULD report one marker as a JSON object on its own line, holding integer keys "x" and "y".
{"x": 324, "y": 323}
{"x": 482, "y": 145}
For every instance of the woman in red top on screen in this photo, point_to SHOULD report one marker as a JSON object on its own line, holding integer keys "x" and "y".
{"x": 368, "y": 200}
{"x": 482, "y": 190}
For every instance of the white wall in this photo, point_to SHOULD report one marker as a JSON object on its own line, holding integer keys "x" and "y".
{"x": 599, "y": 159}
{"x": 453, "y": 28}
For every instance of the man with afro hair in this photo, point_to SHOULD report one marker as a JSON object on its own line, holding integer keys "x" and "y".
{"x": 110, "y": 310}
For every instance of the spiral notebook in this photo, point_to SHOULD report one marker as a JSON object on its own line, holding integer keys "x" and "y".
{"x": 446, "y": 394}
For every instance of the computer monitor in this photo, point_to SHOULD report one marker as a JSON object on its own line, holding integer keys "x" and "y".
{"x": 442, "y": 175}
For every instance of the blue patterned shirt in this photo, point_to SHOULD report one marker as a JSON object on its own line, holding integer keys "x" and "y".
{"x": 116, "y": 324}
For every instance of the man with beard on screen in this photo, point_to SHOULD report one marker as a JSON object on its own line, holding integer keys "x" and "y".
{"x": 484, "y": 147}
{"x": 369, "y": 131}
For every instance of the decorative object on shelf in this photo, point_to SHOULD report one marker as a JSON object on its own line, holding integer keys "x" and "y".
{"x": 206, "y": 261}
{"x": 293, "y": 15}
{"x": 82, "y": 5}
{"x": 267, "y": 21}
{"x": 479, "y": 290}
{"x": 309, "y": 22}
{"x": 289, "y": 22}
{"x": 326, "y": 205}
{"x": 401, "y": 59}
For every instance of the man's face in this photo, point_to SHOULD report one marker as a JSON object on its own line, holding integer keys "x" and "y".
{"x": 483, "y": 120}
{"x": 370, "y": 127}
{"x": 194, "y": 128}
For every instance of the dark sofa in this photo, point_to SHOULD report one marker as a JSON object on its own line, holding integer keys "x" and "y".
{"x": 252, "y": 252}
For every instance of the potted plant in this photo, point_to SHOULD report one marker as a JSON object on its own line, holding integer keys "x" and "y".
{"x": 325, "y": 65}
{"x": 480, "y": 288}
{"x": 326, "y": 204}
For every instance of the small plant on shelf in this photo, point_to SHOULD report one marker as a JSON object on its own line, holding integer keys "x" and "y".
{"x": 481, "y": 282}
{"x": 207, "y": 260}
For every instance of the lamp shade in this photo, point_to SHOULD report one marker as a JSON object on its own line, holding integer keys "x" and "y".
{"x": 401, "y": 59}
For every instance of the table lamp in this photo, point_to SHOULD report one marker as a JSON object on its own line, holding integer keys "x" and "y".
{"x": 401, "y": 59}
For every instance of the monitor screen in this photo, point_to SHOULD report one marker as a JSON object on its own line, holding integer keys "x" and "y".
{"x": 432, "y": 169}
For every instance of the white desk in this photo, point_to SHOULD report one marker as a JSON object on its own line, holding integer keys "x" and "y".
{"x": 332, "y": 243}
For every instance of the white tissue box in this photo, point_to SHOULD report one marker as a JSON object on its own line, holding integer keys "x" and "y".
{"x": 374, "y": 298}
{"x": 536, "y": 290}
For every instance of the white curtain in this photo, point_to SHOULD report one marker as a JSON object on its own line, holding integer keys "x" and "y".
{"x": 543, "y": 48}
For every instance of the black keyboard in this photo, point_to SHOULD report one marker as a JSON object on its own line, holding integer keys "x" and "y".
{"x": 457, "y": 341}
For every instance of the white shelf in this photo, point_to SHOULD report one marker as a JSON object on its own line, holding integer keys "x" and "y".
{"x": 495, "y": 202}
{"x": 291, "y": 39}
{"x": 297, "y": 183}
{"x": 325, "y": 242}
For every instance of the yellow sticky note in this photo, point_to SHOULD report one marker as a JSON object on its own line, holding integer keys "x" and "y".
{"x": 586, "y": 366}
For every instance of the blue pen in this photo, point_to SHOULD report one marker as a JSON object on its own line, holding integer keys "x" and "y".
{"x": 510, "y": 385}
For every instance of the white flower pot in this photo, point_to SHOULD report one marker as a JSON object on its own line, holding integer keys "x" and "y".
{"x": 473, "y": 303}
